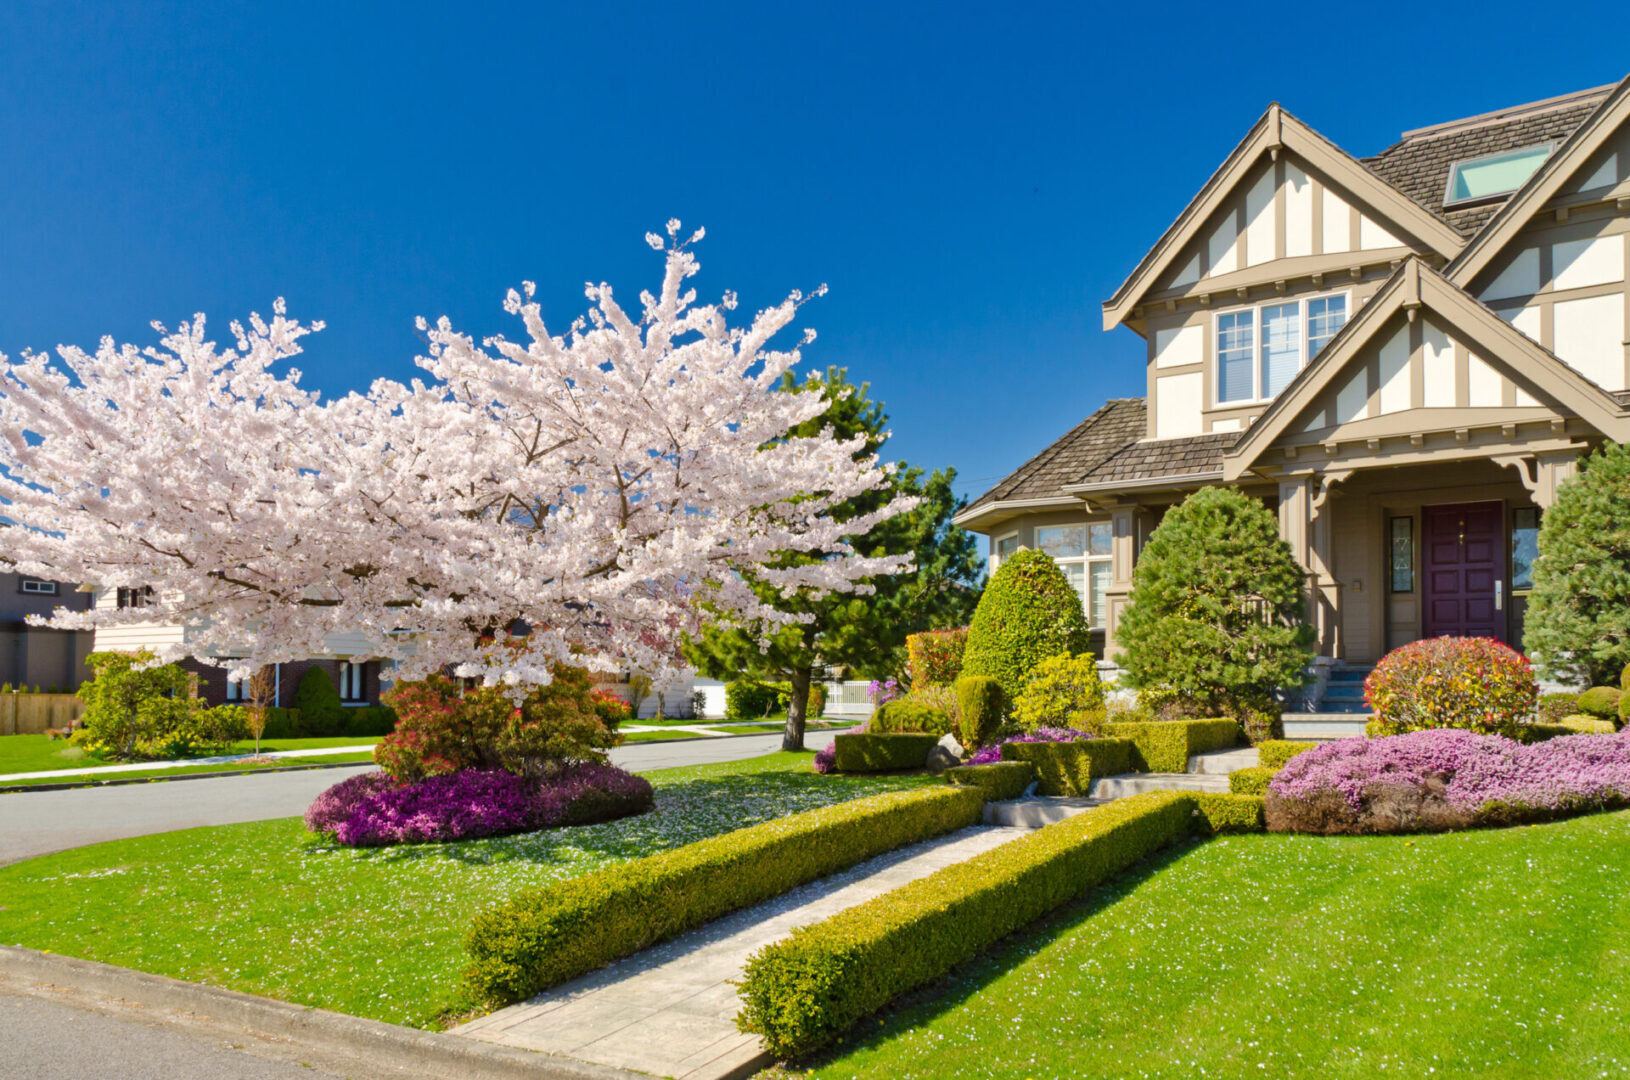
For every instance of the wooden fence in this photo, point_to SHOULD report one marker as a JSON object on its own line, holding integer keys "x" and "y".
{"x": 31, "y": 714}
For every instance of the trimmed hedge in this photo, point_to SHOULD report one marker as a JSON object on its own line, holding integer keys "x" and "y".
{"x": 999, "y": 780}
{"x": 368, "y": 721}
{"x": 542, "y": 937}
{"x": 748, "y": 699}
{"x": 1572, "y": 725}
{"x": 1273, "y": 753}
{"x": 807, "y": 989}
{"x": 907, "y": 715}
{"x": 1165, "y": 746}
{"x": 1067, "y": 768}
{"x": 1235, "y": 813}
{"x": 983, "y": 703}
{"x": 1601, "y": 702}
{"x": 865, "y": 753}
{"x": 1252, "y": 780}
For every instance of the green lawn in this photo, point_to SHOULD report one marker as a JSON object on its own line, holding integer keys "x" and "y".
{"x": 1500, "y": 953}
{"x": 631, "y": 734}
{"x": 186, "y": 770}
{"x": 263, "y": 907}
{"x": 41, "y": 753}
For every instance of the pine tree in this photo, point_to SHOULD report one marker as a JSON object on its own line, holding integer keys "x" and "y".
{"x": 1577, "y": 625}
{"x": 1218, "y": 610}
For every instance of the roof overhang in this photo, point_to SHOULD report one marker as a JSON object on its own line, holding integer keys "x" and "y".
{"x": 1277, "y": 130}
{"x": 985, "y": 516}
{"x": 1541, "y": 188}
{"x": 1415, "y": 285}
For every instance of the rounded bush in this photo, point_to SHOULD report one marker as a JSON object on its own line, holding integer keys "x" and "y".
{"x": 1601, "y": 702}
{"x": 934, "y": 657}
{"x": 1474, "y": 684}
{"x": 1062, "y": 692}
{"x": 1028, "y": 613}
{"x": 907, "y": 715}
{"x": 984, "y": 710}
{"x": 746, "y": 699}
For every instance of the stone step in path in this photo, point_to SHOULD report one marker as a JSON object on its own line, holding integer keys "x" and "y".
{"x": 1207, "y": 772}
{"x": 671, "y": 1009}
{"x": 1119, "y": 787}
{"x": 1223, "y": 762}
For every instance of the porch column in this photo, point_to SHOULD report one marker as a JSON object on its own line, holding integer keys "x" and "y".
{"x": 1553, "y": 470}
{"x": 1125, "y": 522}
{"x": 1304, "y": 524}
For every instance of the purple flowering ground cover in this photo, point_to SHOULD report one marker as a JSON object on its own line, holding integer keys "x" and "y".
{"x": 373, "y": 810}
{"x": 987, "y": 754}
{"x": 1447, "y": 779}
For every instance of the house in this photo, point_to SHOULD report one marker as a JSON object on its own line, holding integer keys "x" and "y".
{"x": 1404, "y": 355}
{"x": 34, "y": 655}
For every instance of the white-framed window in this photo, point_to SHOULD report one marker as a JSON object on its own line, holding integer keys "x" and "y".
{"x": 42, "y": 588}
{"x": 351, "y": 682}
{"x": 237, "y": 689}
{"x": 1001, "y": 548}
{"x": 1261, "y": 348}
{"x": 1083, "y": 552}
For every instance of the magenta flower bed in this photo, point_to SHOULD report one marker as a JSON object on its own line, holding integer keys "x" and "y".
{"x": 373, "y": 810}
{"x": 1446, "y": 779}
{"x": 993, "y": 752}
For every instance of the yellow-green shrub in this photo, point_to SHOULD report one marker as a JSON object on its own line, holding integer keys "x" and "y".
{"x": 1062, "y": 691}
{"x": 1252, "y": 780}
{"x": 1165, "y": 746}
{"x": 881, "y": 753}
{"x": 803, "y": 991}
{"x": 999, "y": 780}
{"x": 984, "y": 706}
{"x": 1067, "y": 768}
{"x": 909, "y": 714}
{"x": 545, "y": 936}
{"x": 1601, "y": 702}
{"x": 1275, "y": 752}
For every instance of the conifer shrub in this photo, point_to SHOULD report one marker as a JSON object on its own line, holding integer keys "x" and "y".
{"x": 984, "y": 708}
{"x": 1218, "y": 611}
{"x": 319, "y": 705}
{"x": 1028, "y": 613}
{"x": 1062, "y": 691}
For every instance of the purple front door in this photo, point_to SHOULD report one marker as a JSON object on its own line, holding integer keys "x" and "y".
{"x": 1464, "y": 570}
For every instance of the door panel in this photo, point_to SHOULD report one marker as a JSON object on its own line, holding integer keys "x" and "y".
{"x": 1464, "y": 557}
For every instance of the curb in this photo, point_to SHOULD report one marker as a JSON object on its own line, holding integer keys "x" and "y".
{"x": 68, "y": 785}
{"x": 415, "y": 1052}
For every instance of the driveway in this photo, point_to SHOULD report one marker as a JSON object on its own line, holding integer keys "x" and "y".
{"x": 40, "y": 822}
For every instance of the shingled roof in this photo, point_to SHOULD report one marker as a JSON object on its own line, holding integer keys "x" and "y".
{"x": 1196, "y": 455}
{"x": 1418, "y": 164}
{"x": 1121, "y": 421}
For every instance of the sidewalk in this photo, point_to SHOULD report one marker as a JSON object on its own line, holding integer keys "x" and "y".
{"x": 671, "y": 1010}
{"x": 149, "y": 766}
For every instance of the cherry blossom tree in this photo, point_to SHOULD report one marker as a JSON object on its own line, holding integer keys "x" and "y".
{"x": 604, "y": 489}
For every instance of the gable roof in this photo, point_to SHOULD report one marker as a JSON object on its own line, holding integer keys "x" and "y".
{"x": 1610, "y": 113}
{"x": 1275, "y": 129}
{"x": 1415, "y": 284}
{"x": 1418, "y": 163}
{"x": 1160, "y": 459}
{"x": 1119, "y": 422}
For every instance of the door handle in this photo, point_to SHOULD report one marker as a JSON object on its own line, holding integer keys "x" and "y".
{"x": 1499, "y": 596}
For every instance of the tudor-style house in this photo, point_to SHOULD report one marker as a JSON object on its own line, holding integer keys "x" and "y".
{"x": 1403, "y": 354}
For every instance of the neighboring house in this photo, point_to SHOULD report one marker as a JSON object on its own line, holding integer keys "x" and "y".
{"x": 1404, "y": 355}
{"x": 34, "y": 655}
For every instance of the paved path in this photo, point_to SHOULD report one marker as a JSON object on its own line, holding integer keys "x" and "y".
{"x": 150, "y": 766}
{"x": 40, "y": 822}
{"x": 671, "y": 1009}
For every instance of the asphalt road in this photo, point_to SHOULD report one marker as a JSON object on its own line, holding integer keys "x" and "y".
{"x": 40, "y": 822}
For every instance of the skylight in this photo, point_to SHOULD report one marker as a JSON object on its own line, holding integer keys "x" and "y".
{"x": 1494, "y": 174}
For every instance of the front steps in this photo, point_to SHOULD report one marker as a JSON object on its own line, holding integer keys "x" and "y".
{"x": 1324, "y": 727}
{"x": 1344, "y": 693}
{"x": 1207, "y": 772}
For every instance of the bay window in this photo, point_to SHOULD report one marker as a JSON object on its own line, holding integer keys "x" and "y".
{"x": 1261, "y": 348}
{"x": 1083, "y": 553}
{"x": 1005, "y": 546}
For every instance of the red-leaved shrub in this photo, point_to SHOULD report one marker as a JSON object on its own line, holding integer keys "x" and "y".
{"x": 934, "y": 657}
{"x": 1474, "y": 684}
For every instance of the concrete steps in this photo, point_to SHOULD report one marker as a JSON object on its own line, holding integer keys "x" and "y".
{"x": 1344, "y": 693}
{"x": 1119, "y": 787}
{"x": 1324, "y": 727}
{"x": 1223, "y": 762}
{"x": 1037, "y": 811}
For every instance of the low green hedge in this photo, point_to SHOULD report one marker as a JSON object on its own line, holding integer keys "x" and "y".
{"x": 1571, "y": 725}
{"x": 807, "y": 989}
{"x": 369, "y": 721}
{"x": 1251, "y": 781}
{"x": 541, "y": 937}
{"x": 1067, "y": 768}
{"x": 1165, "y": 746}
{"x": 1236, "y": 813}
{"x": 1275, "y": 752}
{"x": 999, "y": 780}
{"x": 882, "y": 753}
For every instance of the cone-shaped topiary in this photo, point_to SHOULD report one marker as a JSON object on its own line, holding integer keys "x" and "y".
{"x": 1029, "y": 612}
{"x": 321, "y": 713}
{"x": 1218, "y": 610}
{"x": 1577, "y": 624}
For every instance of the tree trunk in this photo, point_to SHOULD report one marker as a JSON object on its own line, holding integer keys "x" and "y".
{"x": 793, "y": 737}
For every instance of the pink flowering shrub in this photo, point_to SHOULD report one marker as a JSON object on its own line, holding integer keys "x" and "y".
{"x": 1475, "y": 684}
{"x": 1436, "y": 780}
{"x": 374, "y": 810}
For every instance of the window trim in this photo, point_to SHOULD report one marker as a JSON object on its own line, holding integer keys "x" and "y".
{"x": 47, "y": 588}
{"x": 1450, "y": 202}
{"x": 352, "y": 672}
{"x": 1086, "y": 560}
{"x": 1214, "y": 364}
{"x": 995, "y": 559}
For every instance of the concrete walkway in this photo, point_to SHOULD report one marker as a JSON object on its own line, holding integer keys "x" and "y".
{"x": 671, "y": 1010}
{"x": 152, "y": 766}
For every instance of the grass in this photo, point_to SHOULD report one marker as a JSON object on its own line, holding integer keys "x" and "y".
{"x": 266, "y": 908}
{"x": 186, "y": 770}
{"x": 1490, "y": 953}
{"x": 633, "y": 735}
{"x": 41, "y": 753}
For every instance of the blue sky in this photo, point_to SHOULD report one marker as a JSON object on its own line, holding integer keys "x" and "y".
{"x": 970, "y": 180}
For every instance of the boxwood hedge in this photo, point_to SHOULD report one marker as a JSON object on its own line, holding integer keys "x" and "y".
{"x": 999, "y": 780}
{"x": 545, "y": 936}
{"x": 803, "y": 991}
{"x": 882, "y": 753}
{"x": 1273, "y": 753}
{"x": 1067, "y": 768}
{"x": 1165, "y": 746}
{"x": 1251, "y": 781}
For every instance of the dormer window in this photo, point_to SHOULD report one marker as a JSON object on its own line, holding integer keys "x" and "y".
{"x": 1261, "y": 348}
{"x": 1493, "y": 175}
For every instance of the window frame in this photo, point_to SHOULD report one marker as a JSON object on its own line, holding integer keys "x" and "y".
{"x": 996, "y": 557}
{"x": 1086, "y": 560}
{"x": 1255, "y": 308}
{"x": 353, "y": 682}
{"x": 1414, "y": 554}
{"x": 130, "y": 597}
{"x": 1450, "y": 202}
{"x": 46, "y": 588}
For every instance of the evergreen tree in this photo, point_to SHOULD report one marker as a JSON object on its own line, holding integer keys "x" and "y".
{"x": 1029, "y": 613}
{"x": 1577, "y": 625}
{"x": 865, "y": 633}
{"x": 1218, "y": 610}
